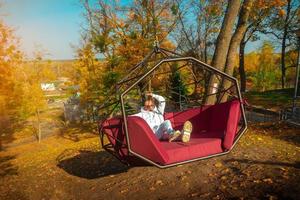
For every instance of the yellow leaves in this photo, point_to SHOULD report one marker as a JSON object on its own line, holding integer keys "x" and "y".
{"x": 257, "y": 181}
{"x": 10, "y": 60}
{"x": 279, "y": 3}
{"x": 247, "y": 7}
{"x": 124, "y": 191}
{"x": 159, "y": 182}
{"x": 266, "y": 4}
{"x": 152, "y": 188}
{"x": 182, "y": 178}
{"x": 213, "y": 9}
{"x": 31, "y": 100}
{"x": 283, "y": 169}
{"x": 218, "y": 165}
{"x": 251, "y": 61}
{"x": 281, "y": 12}
{"x": 268, "y": 180}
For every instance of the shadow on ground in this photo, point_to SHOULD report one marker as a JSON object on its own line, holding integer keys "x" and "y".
{"x": 6, "y": 167}
{"x": 292, "y": 138}
{"x": 90, "y": 165}
{"x": 258, "y": 179}
{"x": 281, "y": 131}
{"x": 8, "y": 126}
{"x": 295, "y": 165}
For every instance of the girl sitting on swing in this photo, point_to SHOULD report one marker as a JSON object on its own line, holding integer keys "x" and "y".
{"x": 162, "y": 129}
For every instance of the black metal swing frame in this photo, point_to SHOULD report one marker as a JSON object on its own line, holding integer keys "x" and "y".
{"x": 135, "y": 76}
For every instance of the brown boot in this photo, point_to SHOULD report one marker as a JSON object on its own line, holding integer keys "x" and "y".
{"x": 174, "y": 136}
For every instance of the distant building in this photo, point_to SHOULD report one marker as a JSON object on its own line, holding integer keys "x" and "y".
{"x": 48, "y": 87}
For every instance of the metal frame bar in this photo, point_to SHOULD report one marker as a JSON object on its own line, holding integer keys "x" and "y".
{"x": 295, "y": 101}
{"x": 241, "y": 131}
{"x": 154, "y": 51}
{"x": 297, "y": 76}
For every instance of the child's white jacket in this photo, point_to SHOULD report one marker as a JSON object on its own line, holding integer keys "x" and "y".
{"x": 156, "y": 117}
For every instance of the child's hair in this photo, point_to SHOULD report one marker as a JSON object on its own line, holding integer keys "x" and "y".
{"x": 151, "y": 98}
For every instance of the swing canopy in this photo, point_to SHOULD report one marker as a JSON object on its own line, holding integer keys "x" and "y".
{"x": 186, "y": 83}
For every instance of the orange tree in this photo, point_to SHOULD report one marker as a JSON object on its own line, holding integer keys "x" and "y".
{"x": 20, "y": 91}
{"x": 282, "y": 23}
{"x": 266, "y": 73}
{"x": 116, "y": 38}
{"x": 10, "y": 58}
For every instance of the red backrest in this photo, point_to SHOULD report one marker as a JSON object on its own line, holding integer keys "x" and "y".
{"x": 219, "y": 116}
{"x": 224, "y": 118}
{"x": 143, "y": 141}
{"x": 113, "y": 128}
{"x": 232, "y": 124}
{"x": 199, "y": 117}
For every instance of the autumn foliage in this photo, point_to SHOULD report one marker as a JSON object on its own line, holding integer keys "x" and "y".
{"x": 10, "y": 59}
{"x": 121, "y": 37}
{"x": 116, "y": 37}
{"x": 20, "y": 90}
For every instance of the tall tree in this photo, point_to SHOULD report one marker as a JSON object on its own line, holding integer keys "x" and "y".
{"x": 282, "y": 24}
{"x": 235, "y": 43}
{"x": 30, "y": 99}
{"x": 222, "y": 46}
{"x": 198, "y": 27}
{"x": 266, "y": 73}
{"x": 10, "y": 58}
{"x": 123, "y": 35}
{"x": 256, "y": 24}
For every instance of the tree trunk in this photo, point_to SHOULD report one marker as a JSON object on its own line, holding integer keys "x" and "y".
{"x": 234, "y": 44}
{"x": 38, "y": 125}
{"x": 222, "y": 46}
{"x": 283, "y": 45}
{"x": 297, "y": 80}
{"x": 205, "y": 48}
{"x": 242, "y": 65}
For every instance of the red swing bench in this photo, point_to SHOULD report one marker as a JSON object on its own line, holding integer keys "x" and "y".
{"x": 214, "y": 132}
{"x": 216, "y": 127}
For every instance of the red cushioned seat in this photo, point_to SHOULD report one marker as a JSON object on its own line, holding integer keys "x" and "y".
{"x": 195, "y": 148}
{"x": 144, "y": 142}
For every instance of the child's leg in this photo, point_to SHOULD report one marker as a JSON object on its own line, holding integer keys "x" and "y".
{"x": 165, "y": 130}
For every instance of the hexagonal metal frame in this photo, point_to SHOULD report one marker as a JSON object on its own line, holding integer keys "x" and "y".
{"x": 216, "y": 71}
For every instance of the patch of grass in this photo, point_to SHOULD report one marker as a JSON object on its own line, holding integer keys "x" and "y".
{"x": 276, "y": 99}
{"x": 58, "y": 96}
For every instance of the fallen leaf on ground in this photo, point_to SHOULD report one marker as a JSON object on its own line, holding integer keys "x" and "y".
{"x": 268, "y": 180}
{"x": 159, "y": 182}
{"x": 124, "y": 191}
{"x": 152, "y": 188}
{"x": 218, "y": 164}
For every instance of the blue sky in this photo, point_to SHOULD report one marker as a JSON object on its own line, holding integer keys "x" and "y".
{"x": 51, "y": 25}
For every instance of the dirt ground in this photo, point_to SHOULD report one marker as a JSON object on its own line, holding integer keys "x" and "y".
{"x": 265, "y": 164}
